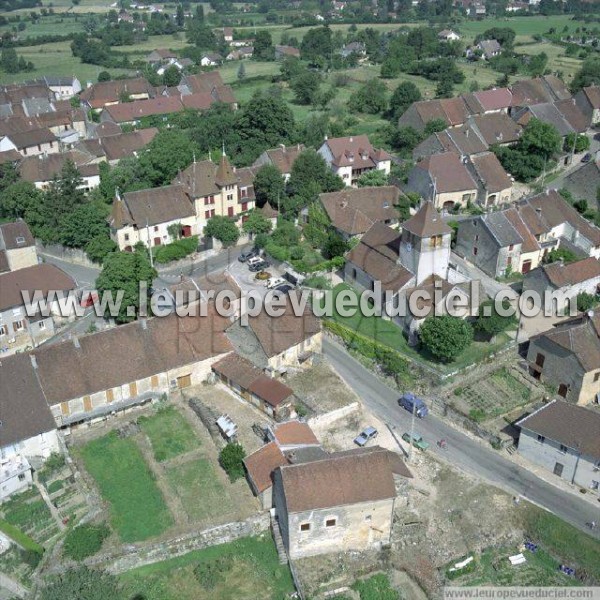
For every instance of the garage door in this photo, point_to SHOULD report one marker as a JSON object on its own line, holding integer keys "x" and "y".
{"x": 184, "y": 381}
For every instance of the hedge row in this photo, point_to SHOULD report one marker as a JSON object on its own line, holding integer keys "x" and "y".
{"x": 392, "y": 363}
{"x": 176, "y": 250}
{"x": 22, "y": 539}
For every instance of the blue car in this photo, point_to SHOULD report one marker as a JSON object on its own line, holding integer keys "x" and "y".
{"x": 413, "y": 404}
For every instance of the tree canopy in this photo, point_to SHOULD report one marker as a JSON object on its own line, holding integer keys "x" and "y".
{"x": 445, "y": 337}
{"x": 223, "y": 229}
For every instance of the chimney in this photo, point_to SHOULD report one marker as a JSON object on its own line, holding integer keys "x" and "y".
{"x": 351, "y": 139}
{"x": 33, "y": 361}
{"x": 144, "y": 324}
{"x": 76, "y": 342}
{"x": 538, "y": 210}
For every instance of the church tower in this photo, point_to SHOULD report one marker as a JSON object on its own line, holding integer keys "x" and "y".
{"x": 425, "y": 244}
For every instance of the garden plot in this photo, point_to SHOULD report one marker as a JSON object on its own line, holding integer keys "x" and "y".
{"x": 492, "y": 396}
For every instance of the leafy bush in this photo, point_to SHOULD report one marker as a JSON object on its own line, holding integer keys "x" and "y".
{"x": 85, "y": 540}
{"x": 445, "y": 337}
{"x": 54, "y": 462}
{"x": 209, "y": 574}
{"x": 280, "y": 253}
{"x": 31, "y": 558}
{"x": 317, "y": 282}
{"x": 377, "y": 587}
{"x": 231, "y": 459}
{"x": 176, "y": 250}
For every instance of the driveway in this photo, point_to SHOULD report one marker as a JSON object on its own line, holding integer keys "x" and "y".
{"x": 470, "y": 455}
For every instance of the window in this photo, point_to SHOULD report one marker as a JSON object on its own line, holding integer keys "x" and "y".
{"x": 435, "y": 241}
{"x": 229, "y": 197}
{"x": 42, "y": 325}
{"x": 21, "y": 476}
{"x": 207, "y": 214}
{"x": 2, "y": 329}
{"x": 305, "y": 527}
{"x": 126, "y": 236}
{"x": 511, "y": 247}
{"x": 563, "y": 448}
{"x": 330, "y": 522}
{"x": 541, "y": 439}
{"x": 539, "y": 360}
{"x": 475, "y": 250}
{"x": 597, "y": 376}
{"x": 244, "y": 206}
{"x": 19, "y": 325}
{"x": 156, "y": 228}
{"x": 20, "y": 240}
{"x": 477, "y": 238}
{"x": 558, "y": 469}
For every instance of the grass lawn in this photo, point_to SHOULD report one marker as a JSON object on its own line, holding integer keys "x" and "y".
{"x": 563, "y": 541}
{"x": 524, "y": 27}
{"x": 250, "y": 570}
{"x": 199, "y": 490}
{"x": 169, "y": 432}
{"x": 138, "y": 510}
{"x": 389, "y": 334}
{"x": 557, "y": 61}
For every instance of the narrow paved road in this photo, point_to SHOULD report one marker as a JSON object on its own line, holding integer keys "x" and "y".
{"x": 472, "y": 456}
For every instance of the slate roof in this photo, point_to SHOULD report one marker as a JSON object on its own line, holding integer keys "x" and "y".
{"x": 464, "y": 139}
{"x": 574, "y": 426}
{"x": 157, "y": 205}
{"x": 502, "y": 229}
{"x": 24, "y": 412}
{"x": 339, "y": 480}
{"x": 573, "y": 115}
{"x": 377, "y": 255}
{"x": 592, "y": 93}
{"x": 354, "y": 210}
{"x": 43, "y": 277}
{"x": 549, "y": 113}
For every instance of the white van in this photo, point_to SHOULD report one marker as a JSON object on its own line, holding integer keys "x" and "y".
{"x": 254, "y": 260}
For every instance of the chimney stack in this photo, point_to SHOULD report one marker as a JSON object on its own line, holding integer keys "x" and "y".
{"x": 33, "y": 361}
{"x": 76, "y": 342}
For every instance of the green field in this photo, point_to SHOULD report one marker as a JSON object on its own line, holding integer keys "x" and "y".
{"x": 170, "y": 434}
{"x": 198, "y": 488}
{"x": 248, "y": 568}
{"x": 389, "y": 334}
{"x": 557, "y": 61}
{"x": 137, "y": 507}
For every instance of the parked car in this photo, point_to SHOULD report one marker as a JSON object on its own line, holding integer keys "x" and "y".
{"x": 261, "y": 265}
{"x": 417, "y": 441}
{"x": 370, "y": 433}
{"x": 247, "y": 255}
{"x": 253, "y": 260}
{"x": 413, "y": 404}
{"x": 586, "y": 157}
{"x": 276, "y": 282}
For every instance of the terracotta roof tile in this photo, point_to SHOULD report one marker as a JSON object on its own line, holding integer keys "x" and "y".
{"x": 261, "y": 464}
{"x": 561, "y": 275}
{"x": 294, "y": 433}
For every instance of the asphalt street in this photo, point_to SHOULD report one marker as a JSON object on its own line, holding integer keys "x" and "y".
{"x": 470, "y": 455}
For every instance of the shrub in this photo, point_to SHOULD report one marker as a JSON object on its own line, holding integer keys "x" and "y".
{"x": 317, "y": 282}
{"x": 446, "y": 337}
{"x": 231, "y": 459}
{"x": 176, "y": 250}
{"x": 211, "y": 573}
{"x": 31, "y": 558}
{"x": 85, "y": 540}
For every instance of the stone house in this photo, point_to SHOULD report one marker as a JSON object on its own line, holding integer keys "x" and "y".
{"x": 209, "y": 85}
{"x": 211, "y": 59}
{"x": 584, "y": 182}
{"x": 568, "y": 357}
{"x": 41, "y": 170}
{"x": 444, "y": 180}
{"x": 18, "y": 327}
{"x": 487, "y": 48}
{"x": 274, "y": 343}
{"x": 119, "y": 146}
{"x": 107, "y": 93}
{"x": 218, "y": 189}
{"x": 350, "y": 157}
{"x": 160, "y": 56}
{"x": 63, "y": 88}
{"x": 269, "y": 395}
{"x": 548, "y": 88}
{"x": 566, "y": 280}
{"x": 588, "y": 100}
{"x": 563, "y": 439}
{"x": 282, "y": 52}
{"x": 93, "y": 376}
{"x": 287, "y": 443}
{"x": 447, "y": 35}
{"x": 17, "y": 247}
{"x": 149, "y": 216}
{"x": 28, "y": 432}
{"x": 494, "y": 186}
{"x": 342, "y": 502}
{"x": 352, "y": 211}
{"x": 130, "y": 113}
{"x": 498, "y": 243}
{"x": 283, "y": 158}
{"x": 31, "y": 143}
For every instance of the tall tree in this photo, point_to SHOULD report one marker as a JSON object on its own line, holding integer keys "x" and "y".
{"x": 123, "y": 271}
{"x": 263, "y": 46}
{"x": 445, "y": 337}
{"x": 84, "y": 584}
{"x": 404, "y": 95}
{"x": 269, "y": 185}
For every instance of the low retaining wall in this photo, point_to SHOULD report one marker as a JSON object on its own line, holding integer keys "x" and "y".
{"x": 195, "y": 540}
{"x": 328, "y": 418}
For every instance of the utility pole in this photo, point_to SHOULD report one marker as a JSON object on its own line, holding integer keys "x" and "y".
{"x": 412, "y": 432}
{"x": 149, "y": 244}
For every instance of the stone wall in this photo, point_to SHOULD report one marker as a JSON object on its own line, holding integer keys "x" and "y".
{"x": 195, "y": 540}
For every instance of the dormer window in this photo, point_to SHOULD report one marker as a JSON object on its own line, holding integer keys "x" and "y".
{"x": 20, "y": 240}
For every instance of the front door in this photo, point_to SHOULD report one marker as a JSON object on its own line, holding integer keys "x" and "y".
{"x": 184, "y": 381}
{"x": 558, "y": 469}
{"x": 526, "y": 267}
{"x": 562, "y": 390}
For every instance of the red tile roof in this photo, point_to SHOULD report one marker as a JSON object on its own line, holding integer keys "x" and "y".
{"x": 295, "y": 433}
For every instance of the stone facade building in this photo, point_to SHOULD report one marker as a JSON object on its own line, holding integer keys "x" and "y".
{"x": 564, "y": 439}
{"x": 342, "y": 502}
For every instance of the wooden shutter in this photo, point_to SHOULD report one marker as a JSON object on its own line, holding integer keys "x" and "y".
{"x": 110, "y": 395}
{"x": 87, "y": 403}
